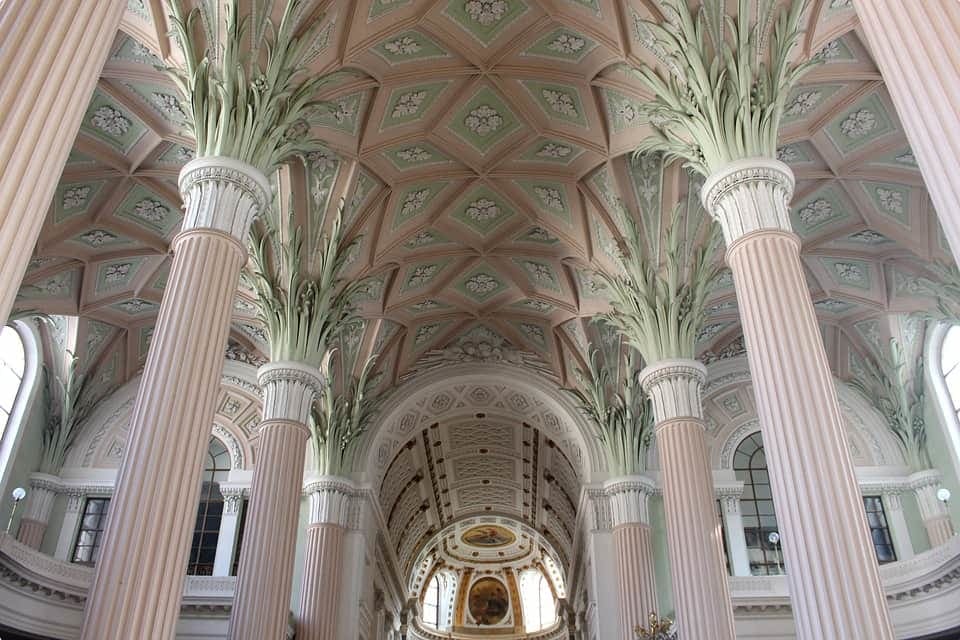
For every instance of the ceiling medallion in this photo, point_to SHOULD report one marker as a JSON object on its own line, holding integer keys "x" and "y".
{"x": 488, "y": 536}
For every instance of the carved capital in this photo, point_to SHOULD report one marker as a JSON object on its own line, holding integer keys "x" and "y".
{"x": 289, "y": 389}
{"x": 674, "y": 388}
{"x": 334, "y": 500}
{"x": 750, "y": 195}
{"x": 628, "y": 499}
{"x": 222, "y": 194}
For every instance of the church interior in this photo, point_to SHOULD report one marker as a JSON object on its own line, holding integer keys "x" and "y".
{"x": 479, "y": 319}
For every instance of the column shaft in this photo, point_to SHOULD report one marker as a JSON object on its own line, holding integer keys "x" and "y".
{"x": 700, "y": 590}
{"x": 52, "y": 55}
{"x": 914, "y": 46}
{"x": 227, "y": 536}
{"x": 633, "y": 544}
{"x": 899, "y": 530}
{"x": 261, "y": 607}
{"x": 68, "y": 530}
{"x": 139, "y": 581}
{"x": 831, "y": 567}
{"x": 319, "y": 597}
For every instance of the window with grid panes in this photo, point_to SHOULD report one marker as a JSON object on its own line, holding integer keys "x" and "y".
{"x": 86, "y": 550}
{"x": 756, "y": 505}
{"x": 879, "y": 529}
{"x": 203, "y": 551}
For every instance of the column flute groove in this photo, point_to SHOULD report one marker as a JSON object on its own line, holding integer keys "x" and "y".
{"x": 52, "y": 56}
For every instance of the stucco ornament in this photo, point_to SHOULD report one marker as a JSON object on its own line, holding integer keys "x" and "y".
{"x": 247, "y": 84}
{"x": 339, "y": 419}
{"x": 895, "y": 386}
{"x": 297, "y": 259}
{"x": 619, "y": 409}
{"x": 69, "y": 396}
{"x": 722, "y": 82}
{"x": 658, "y": 297}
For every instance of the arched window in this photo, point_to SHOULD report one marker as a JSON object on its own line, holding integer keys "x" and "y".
{"x": 950, "y": 365}
{"x": 12, "y": 364}
{"x": 536, "y": 598}
{"x": 756, "y": 505}
{"x": 431, "y": 602}
{"x": 203, "y": 552}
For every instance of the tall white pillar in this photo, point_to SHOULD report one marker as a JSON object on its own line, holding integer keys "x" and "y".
{"x": 915, "y": 47}
{"x": 737, "y": 554}
{"x": 51, "y": 57}
{"x": 261, "y": 606}
{"x": 229, "y": 530}
{"x": 831, "y": 566}
{"x": 700, "y": 590}
{"x": 603, "y": 619}
{"x": 139, "y": 580}
{"x": 633, "y": 547}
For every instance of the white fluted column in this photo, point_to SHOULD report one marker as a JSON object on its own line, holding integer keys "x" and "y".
{"x": 261, "y": 607}
{"x": 139, "y": 582}
{"x": 933, "y": 512}
{"x": 51, "y": 58}
{"x": 36, "y": 513}
{"x": 736, "y": 540}
{"x": 700, "y": 591}
{"x": 897, "y": 522}
{"x": 633, "y": 547}
{"x": 831, "y": 567}
{"x": 229, "y": 529}
{"x": 330, "y": 515}
{"x": 915, "y": 47}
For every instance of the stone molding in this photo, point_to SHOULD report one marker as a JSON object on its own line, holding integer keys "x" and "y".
{"x": 674, "y": 388}
{"x": 628, "y": 498}
{"x": 222, "y": 194}
{"x": 750, "y": 195}
{"x": 289, "y": 389}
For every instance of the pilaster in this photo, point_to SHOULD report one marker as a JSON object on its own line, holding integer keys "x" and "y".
{"x": 36, "y": 513}
{"x": 229, "y": 529}
{"x": 933, "y": 512}
{"x": 897, "y": 521}
{"x": 733, "y": 528}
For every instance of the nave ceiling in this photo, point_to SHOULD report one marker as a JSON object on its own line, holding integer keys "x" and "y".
{"x": 483, "y": 153}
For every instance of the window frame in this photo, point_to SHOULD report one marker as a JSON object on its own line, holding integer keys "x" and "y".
{"x": 772, "y": 556}
{"x": 945, "y": 405}
{"x": 26, "y": 395}
{"x": 102, "y": 518}
{"x": 883, "y": 529}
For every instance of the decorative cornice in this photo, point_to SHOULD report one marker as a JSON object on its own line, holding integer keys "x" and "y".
{"x": 289, "y": 389}
{"x": 674, "y": 388}
{"x": 750, "y": 195}
{"x": 223, "y": 194}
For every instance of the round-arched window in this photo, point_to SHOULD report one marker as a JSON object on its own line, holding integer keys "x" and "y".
{"x": 756, "y": 505}
{"x": 203, "y": 551}
{"x": 536, "y": 598}
{"x": 12, "y": 363}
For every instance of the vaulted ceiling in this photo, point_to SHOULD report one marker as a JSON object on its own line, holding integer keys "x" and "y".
{"x": 482, "y": 149}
